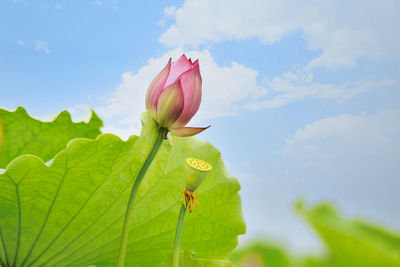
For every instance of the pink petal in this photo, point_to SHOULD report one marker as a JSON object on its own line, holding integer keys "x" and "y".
{"x": 177, "y": 68}
{"x": 194, "y": 64}
{"x": 156, "y": 87}
{"x": 187, "y": 131}
{"x": 191, "y": 86}
{"x": 170, "y": 104}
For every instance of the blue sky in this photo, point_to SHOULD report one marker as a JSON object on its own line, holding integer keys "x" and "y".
{"x": 303, "y": 96}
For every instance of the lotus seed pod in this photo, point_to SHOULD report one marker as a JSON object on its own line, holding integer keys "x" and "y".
{"x": 196, "y": 170}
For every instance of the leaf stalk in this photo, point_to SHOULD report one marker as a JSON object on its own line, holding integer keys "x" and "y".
{"x": 129, "y": 209}
{"x": 178, "y": 236}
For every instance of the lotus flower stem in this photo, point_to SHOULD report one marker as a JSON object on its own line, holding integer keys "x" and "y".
{"x": 129, "y": 209}
{"x": 195, "y": 172}
{"x": 178, "y": 236}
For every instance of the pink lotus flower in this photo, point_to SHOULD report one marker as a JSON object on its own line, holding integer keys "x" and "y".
{"x": 174, "y": 96}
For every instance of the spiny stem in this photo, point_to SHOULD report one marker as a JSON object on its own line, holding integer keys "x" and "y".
{"x": 178, "y": 236}
{"x": 128, "y": 214}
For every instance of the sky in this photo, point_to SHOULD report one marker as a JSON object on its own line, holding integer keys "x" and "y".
{"x": 302, "y": 96}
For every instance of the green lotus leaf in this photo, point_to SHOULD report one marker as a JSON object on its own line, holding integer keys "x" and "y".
{"x": 352, "y": 242}
{"x": 71, "y": 213}
{"x": 188, "y": 259}
{"x": 260, "y": 253}
{"x": 23, "y": 134}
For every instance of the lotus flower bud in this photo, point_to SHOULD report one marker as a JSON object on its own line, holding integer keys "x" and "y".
{"x": 174, "y": 96}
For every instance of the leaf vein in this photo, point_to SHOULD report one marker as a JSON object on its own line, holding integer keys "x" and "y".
{"x": 94, "y": 222}
{"x": 45, "y": 220}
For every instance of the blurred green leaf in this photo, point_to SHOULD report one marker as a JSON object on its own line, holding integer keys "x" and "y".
{"x": 352, "y": 242}
{"x": 71, "y": 213}
{"x": 188, "y": 259}
{"x": 260, "y": 253}
{"x": 311, "y": 261}
{"x": 23, "y": 134}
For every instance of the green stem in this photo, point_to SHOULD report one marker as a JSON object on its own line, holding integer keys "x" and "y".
{"x": 128, "y": 214}
{"x": 178, "y": 236}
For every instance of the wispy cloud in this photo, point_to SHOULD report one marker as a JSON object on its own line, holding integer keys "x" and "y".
{"x": 99, "y": 3}
{"x": 20, "y": 43}
{"x": 351, "y": 140}
{"x": 168, "y": 12}
{"x": 115, "y": 4}
{"x": 298, "y": 84}
{"x": 42, "y": 46}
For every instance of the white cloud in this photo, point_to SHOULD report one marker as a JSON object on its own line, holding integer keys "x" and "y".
{"x": 42, "y": 46}
{"x": 299, "y": 83}
{"x": 344, "y": 30}
{"x": 58, "y": 6}
{"x": 99, "y": 3}
{"x": 168, "y": 12}
{"x": 198, "y": 22}
{"x": 20, "y": 42}
{"x": 224, "y": 87}
{"x": 359, "y": 139}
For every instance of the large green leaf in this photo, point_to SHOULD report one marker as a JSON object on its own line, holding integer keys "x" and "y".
{"x": 24, "y": 135}
{"x": 71, "y": 213}
{"x": 352, "y": 242}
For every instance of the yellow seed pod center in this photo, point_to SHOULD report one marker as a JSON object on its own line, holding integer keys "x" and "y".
{"x": 198, "y": 164}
